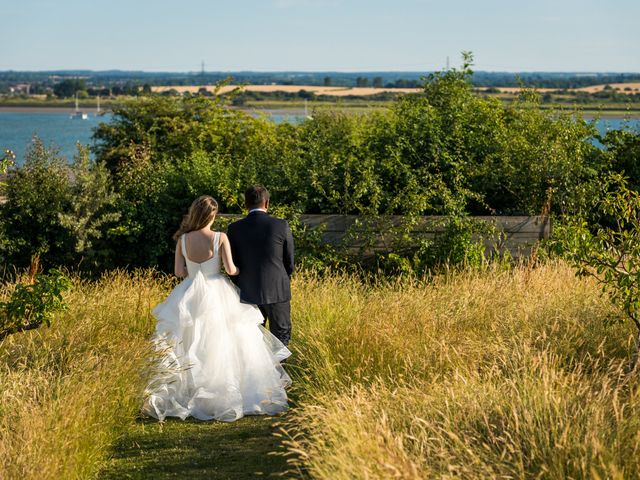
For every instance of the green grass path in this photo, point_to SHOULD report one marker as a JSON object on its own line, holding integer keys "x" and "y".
{"x": 190, "y": 449}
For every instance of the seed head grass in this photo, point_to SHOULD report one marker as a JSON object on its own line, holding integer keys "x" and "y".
{"x": 516, "y": 373}
{"x": 492, "y": 373}
{"x": 67, "y": 392}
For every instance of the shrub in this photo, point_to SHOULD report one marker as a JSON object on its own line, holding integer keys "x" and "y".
{"x": 623, "y": 147}
{"x": 36, "y": 195}
{"x": 611, "y": 253}
{"x": 461, "y": 243}
{"x": 56, "y": 211}
{"x": 33, "y": 304}
{"x": 445, "y": 151}
{"x": 91, "y": 209}
{"x": 169, "y": 128}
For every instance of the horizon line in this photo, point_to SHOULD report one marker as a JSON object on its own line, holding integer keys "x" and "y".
{"x": 210, "y": 72}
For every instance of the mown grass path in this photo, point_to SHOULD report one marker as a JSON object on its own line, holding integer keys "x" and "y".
{"x": 191, "y": 449}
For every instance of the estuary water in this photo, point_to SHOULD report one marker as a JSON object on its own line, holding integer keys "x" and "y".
{"x": 56, "y": 128}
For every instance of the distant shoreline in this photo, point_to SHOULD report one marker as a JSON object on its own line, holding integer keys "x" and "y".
{"x": 57, "y": 109}
{"x": 280, "y": 110}
{"x": 44, "y": 109}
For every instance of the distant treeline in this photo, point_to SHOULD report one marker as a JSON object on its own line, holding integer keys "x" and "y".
{"x": 44, "y": 82}
{"x": 447, "y": 151}
{"x": 242, "y": 98}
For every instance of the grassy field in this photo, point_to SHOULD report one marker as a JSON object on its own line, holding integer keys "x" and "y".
{"x": 494, "y": 374}
{"x": 499, "y": 373}
{"x": 67, "y": 393}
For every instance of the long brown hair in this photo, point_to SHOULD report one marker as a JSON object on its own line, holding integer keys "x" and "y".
{"x": 201, "y": 212}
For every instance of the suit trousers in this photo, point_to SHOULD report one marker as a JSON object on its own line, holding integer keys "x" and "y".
{"x": 279, "y": 317}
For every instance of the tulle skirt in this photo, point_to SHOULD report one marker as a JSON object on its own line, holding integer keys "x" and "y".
{"x": 217, "y": 360}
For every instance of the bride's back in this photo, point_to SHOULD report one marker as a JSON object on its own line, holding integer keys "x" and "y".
{"x": 199, "y": 245}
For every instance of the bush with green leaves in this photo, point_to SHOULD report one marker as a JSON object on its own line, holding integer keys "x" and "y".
{"x": 610, "y": 250}
{"x": 445, "y": 151}
{"x": 56, "y": 211}
{"x": 8, "y": 159}
{"x": 460, "y": 243}
{"x": 170, "y": 128}
{"x": 623, "y": 149}
{"x": 33, "y": 304}
{"x": 36, "y": 194}
{"x": 91, "y": 210}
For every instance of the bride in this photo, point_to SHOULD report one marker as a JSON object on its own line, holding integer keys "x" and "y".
{"x": 217, "y": 360}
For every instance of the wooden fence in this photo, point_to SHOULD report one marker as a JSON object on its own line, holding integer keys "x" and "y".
{"x": 517, "y": 234}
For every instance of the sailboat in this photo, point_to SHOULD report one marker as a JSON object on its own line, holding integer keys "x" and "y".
{"x": 78, "y": 115}
{"x": 99, "y": 112}
{"x": 306, "y": 111}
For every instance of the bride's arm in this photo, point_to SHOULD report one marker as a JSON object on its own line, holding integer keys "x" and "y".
{"x": 179, "y": 264}
{"x": 227, "y": 259}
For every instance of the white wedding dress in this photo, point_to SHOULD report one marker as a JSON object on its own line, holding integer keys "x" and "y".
{"x": 217, "y": 360}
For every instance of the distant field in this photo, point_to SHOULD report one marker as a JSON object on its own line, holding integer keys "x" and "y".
{"x": 621, "y": 87}
{"x": 318, "y": 90}
{"x": 635, "y": 87}
{"x": 367, "y": 91}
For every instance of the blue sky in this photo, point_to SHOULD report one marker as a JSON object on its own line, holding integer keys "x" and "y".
{"x": 314, "y": 35}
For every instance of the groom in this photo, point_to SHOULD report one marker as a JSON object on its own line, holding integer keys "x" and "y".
{"x": 262, "y": 248}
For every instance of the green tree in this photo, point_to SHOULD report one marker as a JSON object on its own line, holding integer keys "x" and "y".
{"x": 150, "y": 212}
{"x": 168, "y": 127}
{"x": 36, "y": 194}
{"x": 623, "y": 148}
{"x": 611, "y": 253}
{"x": 92, "y": 207}
{"x": 69, "y": 87}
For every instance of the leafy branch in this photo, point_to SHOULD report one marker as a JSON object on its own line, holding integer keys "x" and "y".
{"x": 612, "y": 253}
{"x": 33, "y": 304}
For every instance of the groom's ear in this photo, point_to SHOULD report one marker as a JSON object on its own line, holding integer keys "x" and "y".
{"x": 266, "y": 205}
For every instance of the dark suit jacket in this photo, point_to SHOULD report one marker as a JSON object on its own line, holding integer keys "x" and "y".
{"x": 262, "y": 248}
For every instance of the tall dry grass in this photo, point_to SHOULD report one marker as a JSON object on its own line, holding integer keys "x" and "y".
{"x": 68, "y": 391}
{"x": 509, "y": 374}
{"x": 491, "y": 374}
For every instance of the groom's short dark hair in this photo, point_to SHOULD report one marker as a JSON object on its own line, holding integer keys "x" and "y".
{"x": 256, "y": 196}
